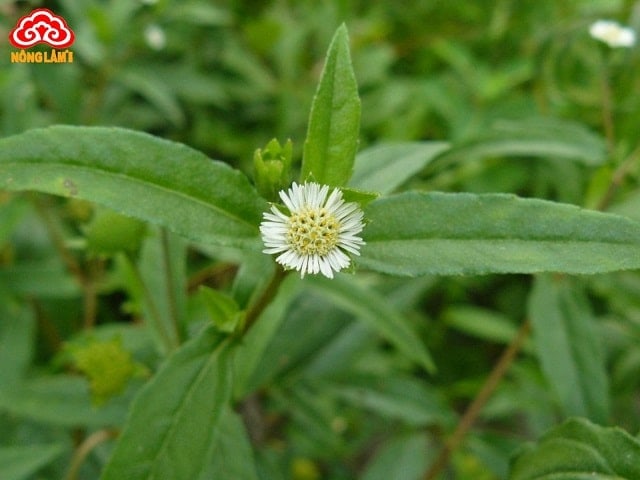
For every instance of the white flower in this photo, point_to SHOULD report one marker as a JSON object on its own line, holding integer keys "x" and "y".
{"x": 155, "y": 37}
{"x": 318, "y": 232}
{"x": 613, "y": 34}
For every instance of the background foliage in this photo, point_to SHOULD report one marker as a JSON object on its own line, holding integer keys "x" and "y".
{"x": 337, "y": 379}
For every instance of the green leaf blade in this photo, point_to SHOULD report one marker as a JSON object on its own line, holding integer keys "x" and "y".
{"x": 231, "y": 453}
{"x": 136, "y": 174}
{"x": 62, "y": 400}
{"x": 373, "y": 311}
{"x": 418, "y": 233}
{"x": 22, "y": 462}
{"x": 334, "y": 122}
{"x": 577, "y": 450}
{"x": 173, "y": 420}
{"x": 568, "y": 347}
{"x": 383, "y": 168}
{"x": 537, "y": 138}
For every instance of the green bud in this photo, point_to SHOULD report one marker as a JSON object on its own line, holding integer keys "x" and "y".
{"x": 110, "y": 232}
{"x": 272, "y": 168}
{"x": 107, "y": 366}
{"x": 304, "y": 469}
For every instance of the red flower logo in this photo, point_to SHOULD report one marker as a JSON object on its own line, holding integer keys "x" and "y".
{"x": 42, "y": 26}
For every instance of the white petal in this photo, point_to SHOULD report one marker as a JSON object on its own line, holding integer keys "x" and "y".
{"x": 325, "y": 268}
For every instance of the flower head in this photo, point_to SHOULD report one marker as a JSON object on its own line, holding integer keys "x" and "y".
{"x": 613, "y": 34}
{"x": 318, "y": 232}
{"x": 155, "y": 37}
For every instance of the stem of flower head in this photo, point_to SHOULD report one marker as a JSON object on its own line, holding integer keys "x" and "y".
{"x": 472, "y": 412}
{"x": 262, "y": 301}
{"x": 607, "y": 107}
{"x": 618, "y": 178}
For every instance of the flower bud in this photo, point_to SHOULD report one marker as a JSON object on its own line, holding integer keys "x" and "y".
{"x": 272, "y": 167}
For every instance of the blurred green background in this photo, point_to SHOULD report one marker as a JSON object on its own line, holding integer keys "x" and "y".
{"x": 226, "y": 77}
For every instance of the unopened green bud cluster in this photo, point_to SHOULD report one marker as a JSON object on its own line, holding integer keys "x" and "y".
{"x": 272, "y": 167}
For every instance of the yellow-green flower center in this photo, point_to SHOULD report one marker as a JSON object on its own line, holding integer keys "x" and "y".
{"x": 313, "y": 231}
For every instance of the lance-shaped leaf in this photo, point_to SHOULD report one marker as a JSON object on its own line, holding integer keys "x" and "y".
{"x": 537, "y": 138}
{"x": 134, "y": 173}
{"x": 383, "y": 168}
{"x": 567, "y": 343}
{"x": 457, "y": 233}
{"x": 334, "y": 122}
{"x": 174, "y": 418}
{"x": 231, "y": 455}
{"x": 23, "y": 462}
{"x": 375, "y": 312}
{"x": 579, "y": 450}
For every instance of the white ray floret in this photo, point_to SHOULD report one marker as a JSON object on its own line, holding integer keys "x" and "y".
{"x": 613, "y": 34}
{"x": 319, "y": 232}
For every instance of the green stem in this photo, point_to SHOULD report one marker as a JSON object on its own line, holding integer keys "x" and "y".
{"x": 607, "y": 108}
{"x": 618, "y": 177}
{"x": 471, "y": 414}
{"x": 264, "y": 299}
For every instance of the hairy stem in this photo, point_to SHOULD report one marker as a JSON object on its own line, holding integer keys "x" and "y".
{"x": 257, "y": 307}
{"x": 471, "y": 414}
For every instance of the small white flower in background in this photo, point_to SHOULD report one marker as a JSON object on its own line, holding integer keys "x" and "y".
{"x": 155, "y": 37}
{"x": 318, "y": 232}
{"x": 613, "y": 34}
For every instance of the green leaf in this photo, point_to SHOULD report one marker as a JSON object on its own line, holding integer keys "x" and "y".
{"x": 251, "y": 369}
{"x": 383, "y": 168}
{"x": 567, "y": 342}
{"x": 163, "y": 271}
{"x": 481, "y": 323}
{"x": 17, "y": 338}
{"x": 153, "y": 88}
{"x": 44, "y": 279}
{"x": 20, "y": 463}
{"x": 396, "y": 397}
{"x": 540, "y": 137}
{"x": 138, "y": 175}
{"x": 62, "y": 400}
{"x": 173, "y": 420}
{"x": 231, "y": 453}
{"x": 359, "y": 196}
{"x": 11, "y": 213}
{"x": 405, "y": 457}
{"x": 457, "y": 233}
{"x": 223, "y": 309}
{"x": 334, "y": 122}
{"x": 370, "y": 308}
{"x": 580, "y": 450}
